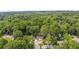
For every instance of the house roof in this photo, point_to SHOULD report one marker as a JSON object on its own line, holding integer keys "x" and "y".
{"x": 8, "y": 36}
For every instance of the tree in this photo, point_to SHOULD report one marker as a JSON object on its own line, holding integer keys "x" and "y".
{"x": 19, "y": 38}
{"x": 2, "y": 42}
{"x": 68, "y": 43}
{"x": 44, "y": 30}
{"x": 48, "y": 39}
{"x": 72, "y": 31}
{"x": 16, "y": 44}
{"x": 34, "y": 30}
{"x": 17, "y": 33}
{"x": 29, "y": 41}
{"x": 54, "y": 40}
{"x": 77, "y": 28}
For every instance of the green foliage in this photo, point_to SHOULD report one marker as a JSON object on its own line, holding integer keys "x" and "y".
{"x": 2, "y": 42}
{"x": 19, "y": 38}
{"x": 54, "y": 40}
{"x": 25, "y": 26}
{"x": 48, "y": 39}
{"x": 44, "y": 29}
{"x": 29, "y": 41}
{"x": 16, "y": 44}
{"x": 8, "y": 39}
{"x": 17, "y": 33}
{"x": 34, "y": 30}
{"x": 68, "y": 43}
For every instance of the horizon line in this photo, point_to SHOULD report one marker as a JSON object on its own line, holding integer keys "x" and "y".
{"x": 40, "y": 11}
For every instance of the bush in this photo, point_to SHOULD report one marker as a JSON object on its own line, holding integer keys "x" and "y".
{"x": 16, "y": 44}
{"x": 2, "y": 42}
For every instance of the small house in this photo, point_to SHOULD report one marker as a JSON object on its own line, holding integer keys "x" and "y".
{"x": 8, "y": 36}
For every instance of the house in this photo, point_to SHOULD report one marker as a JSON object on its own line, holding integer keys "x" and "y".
{"x": 38, "y": 37}
{"x": 38, "y": 41}
{"x": 8, "y": 36}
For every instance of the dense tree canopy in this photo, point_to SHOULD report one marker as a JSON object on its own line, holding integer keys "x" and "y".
{"x": 52, "y": 26}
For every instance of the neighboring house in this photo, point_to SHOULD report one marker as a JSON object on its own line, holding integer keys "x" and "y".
{"x": 38, "y": 37}
{"x": 75, "y": 38}
{"x": 8, "y": 36}
{"x": 37, "y": 41}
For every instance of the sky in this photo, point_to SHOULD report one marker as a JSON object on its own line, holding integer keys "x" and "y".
{"x": 38, "y": 5}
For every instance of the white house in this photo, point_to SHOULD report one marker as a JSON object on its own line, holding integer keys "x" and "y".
{"x": 8, "y": 36}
